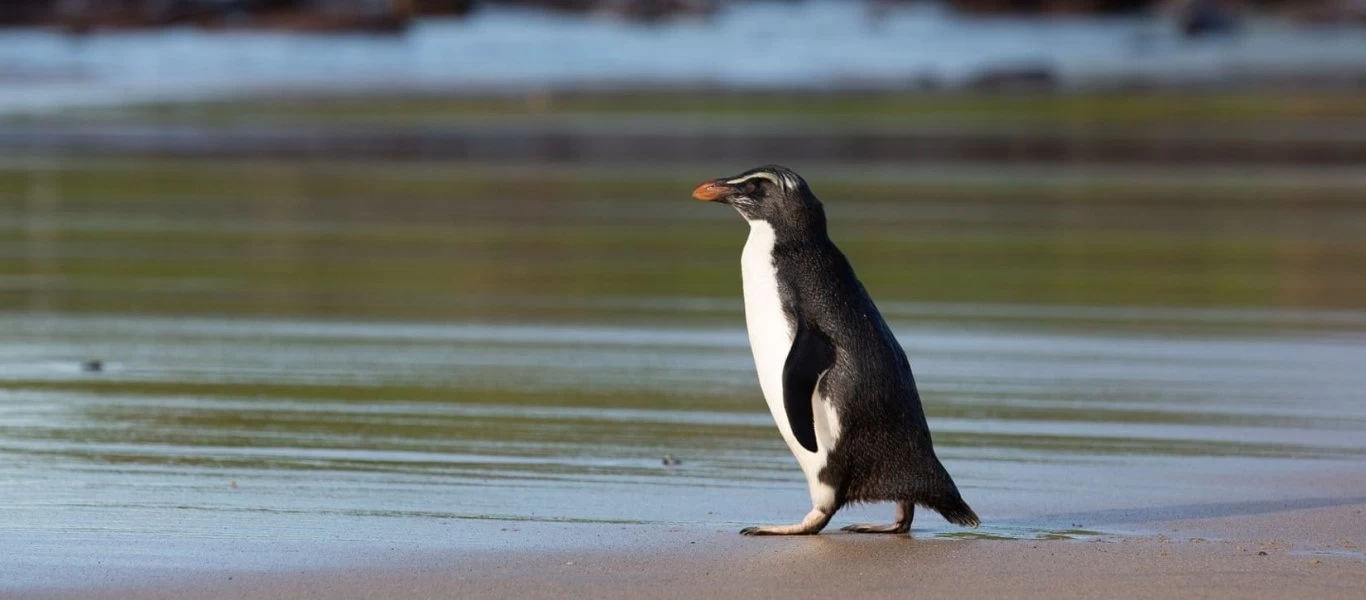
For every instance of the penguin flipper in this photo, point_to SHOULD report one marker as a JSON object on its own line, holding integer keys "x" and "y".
{"x": 811, "y": 354}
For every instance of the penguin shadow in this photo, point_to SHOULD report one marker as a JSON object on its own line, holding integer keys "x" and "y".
{"x": 1068, "y": 525}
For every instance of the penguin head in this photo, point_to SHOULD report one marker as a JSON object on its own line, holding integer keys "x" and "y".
{"x": 770, "y": 193}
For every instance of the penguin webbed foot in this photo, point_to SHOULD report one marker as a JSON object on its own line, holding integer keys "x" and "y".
{"x": 871, "y": 528}
{"x": 775, "y": 530}
{"x": 905, "y": 511}
{"x": 813, "y": 524}
{"x": 794, "y": 529}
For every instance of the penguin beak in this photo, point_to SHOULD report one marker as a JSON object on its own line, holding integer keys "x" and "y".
{"x": 713, "y": 191}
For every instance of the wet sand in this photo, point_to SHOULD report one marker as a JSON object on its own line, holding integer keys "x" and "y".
{"x": 1295, "y": 553}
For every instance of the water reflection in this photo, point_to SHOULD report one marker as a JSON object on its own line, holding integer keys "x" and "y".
{"x": 305, "y": 239}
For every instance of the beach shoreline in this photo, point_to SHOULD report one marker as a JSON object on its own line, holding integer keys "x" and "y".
{"x": 1264, "y": 553}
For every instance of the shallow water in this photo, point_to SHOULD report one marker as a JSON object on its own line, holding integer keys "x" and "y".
{"x": 205, "y": 434}
{"x": 295, "y": 367}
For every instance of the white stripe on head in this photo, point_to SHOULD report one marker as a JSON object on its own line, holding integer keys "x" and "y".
{"x": 761, "y": 174}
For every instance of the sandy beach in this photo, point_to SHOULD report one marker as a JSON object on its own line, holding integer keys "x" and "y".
{"x": 1257, "y": 551}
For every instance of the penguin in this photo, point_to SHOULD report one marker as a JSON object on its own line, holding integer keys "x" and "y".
{"x": 836, "y": 380}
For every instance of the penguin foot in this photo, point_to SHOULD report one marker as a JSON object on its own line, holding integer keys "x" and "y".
{"x": 794, "y": 529}
{"x": 905, "y": 511}
{"x": 813, "y": 523}
{"x": 871, "y": 528}
{"x": 776, "y": 530}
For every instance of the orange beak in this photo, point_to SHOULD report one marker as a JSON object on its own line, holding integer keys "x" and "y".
{"x": 711, "y": 191}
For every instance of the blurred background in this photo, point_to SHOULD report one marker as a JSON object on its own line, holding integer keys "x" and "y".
{"x": 334, "y": 271}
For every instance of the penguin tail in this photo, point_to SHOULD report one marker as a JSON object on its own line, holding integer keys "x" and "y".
{"x": 956, "y": 511}
{"x": 943, "y": 498}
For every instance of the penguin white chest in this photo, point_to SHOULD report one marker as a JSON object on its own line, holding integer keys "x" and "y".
{"x": 770, "y": 339}
{"x": 770, "y": 334}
